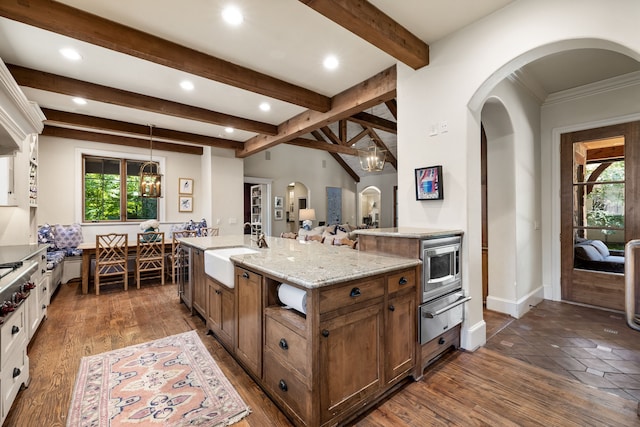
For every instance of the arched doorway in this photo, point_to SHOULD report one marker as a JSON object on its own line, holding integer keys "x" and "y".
{"x": 369, "y": 206}
{"x": 296, "y": 198}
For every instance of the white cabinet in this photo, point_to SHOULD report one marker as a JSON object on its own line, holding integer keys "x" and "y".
{"x": 7, "y": 183}
{"x": 33, "y": 170}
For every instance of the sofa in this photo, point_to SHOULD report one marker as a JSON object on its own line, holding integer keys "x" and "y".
{"x": 335, "y": 234}
{"x": 595, "y": 255}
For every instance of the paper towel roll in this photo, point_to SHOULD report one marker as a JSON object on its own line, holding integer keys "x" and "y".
{"x": 293, "y": 297}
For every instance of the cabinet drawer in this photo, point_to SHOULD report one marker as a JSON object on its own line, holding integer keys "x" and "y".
{"x": 401, "y": 281}
{"x": 14, "y": 334}
{"x": 351, "y": 294}
{"x": 287, "y": 386}
{"x": 14, "y": 374}
{"x": 440, "y": 344}
{"x": 287, "y": 345}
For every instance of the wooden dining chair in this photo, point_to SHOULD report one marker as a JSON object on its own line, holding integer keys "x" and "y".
{"x": 111, "y": 259}
{"x": 209, "y": 231}
{"x": 177, "y": 259}
{"x": 149, "y": 255}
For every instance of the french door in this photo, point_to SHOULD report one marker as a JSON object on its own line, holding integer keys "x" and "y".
{"x": 600, "y": 209}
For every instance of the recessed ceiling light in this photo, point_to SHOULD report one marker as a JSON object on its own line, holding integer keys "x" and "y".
{"x": 70, "y": 54}
{"x": 80, "y": 101}
{"x": 228, "y": 130}
{"x": 186, "y": 85}
{"x": 330, "y": 62}
{"x": 264, "y": 106}
{"x": 232, "y": 15}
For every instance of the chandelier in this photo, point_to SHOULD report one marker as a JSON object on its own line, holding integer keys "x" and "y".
{"x": 372, "y": 158}
{"x": 150, "y": 177}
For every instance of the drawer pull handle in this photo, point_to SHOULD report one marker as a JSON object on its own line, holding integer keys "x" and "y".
{"x": 43, "y": 257}
{"x": 44, "y": 306}
{"x": 245, "y": 275}
{"x": 16, "y": 372}
{"x": 283, "y": 385}
{"x": 403, "y": 281}
{"x": 355, "y": 292}
{"x": 43, "y": 271}
{"x": 441, "y": 341}
{"x": 44, "y": 289}
{"x": 14, "y": 330}
{"x": 392, "y": 308}
{"x": 283, "y": 344}
{"x": 325, "y": 333}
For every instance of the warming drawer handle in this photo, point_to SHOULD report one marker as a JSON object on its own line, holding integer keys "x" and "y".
{"x": 461, "y": 300}
{"x": 355, "y": 292}
{"x": 283, "y": 344}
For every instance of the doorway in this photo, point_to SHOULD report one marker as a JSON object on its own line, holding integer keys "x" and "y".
{"x": 599, "y": 182}
{"x": 370, "y": 206}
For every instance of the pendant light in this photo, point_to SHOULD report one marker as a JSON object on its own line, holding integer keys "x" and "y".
{"x": 372, "y": 158}
{"x": 150, "y": 177}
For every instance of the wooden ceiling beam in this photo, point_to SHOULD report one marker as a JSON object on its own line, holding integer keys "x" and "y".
{"x": 342, "y": 132}
{"x": 358, "y": 137}
{"x": 120, "y": 140}
{"x": 80, "y": 25}
{"x": 64, "y": 119}
{"x": 377, "y": 89}
{"x": 318, "y": 145}
{"x": 326, "y": 130}
{"x": 318, "y": 136}
{"x": 369, "y": 120}
{"x": 605, "y": 153}
{"x": 374, "y": 26}
{"x": 392, "y": 106}
{"x": 72, "y": 87}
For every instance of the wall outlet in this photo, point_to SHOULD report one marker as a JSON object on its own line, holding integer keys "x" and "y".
{"x": 433, "y": 130}
{"x": 444, "y": 126}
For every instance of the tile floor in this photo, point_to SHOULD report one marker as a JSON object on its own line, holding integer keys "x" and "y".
{"x": 593, "y": 346}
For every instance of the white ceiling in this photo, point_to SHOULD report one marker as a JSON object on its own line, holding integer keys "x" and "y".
{"x": 281, "y": 38}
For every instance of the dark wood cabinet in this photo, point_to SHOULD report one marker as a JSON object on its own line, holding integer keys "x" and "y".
{"x": 199, "y": 278}
{"x": 248, "y": 348}
{"x": 221, "y": 312}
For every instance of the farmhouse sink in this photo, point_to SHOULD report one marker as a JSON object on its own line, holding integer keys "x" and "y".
{"x": 218, "y": 265}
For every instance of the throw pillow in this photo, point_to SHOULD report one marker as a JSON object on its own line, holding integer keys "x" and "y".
{"x": 601, "y": 247}
{"x": 68, "y": 237}
{"x": 46, "y": 237}
{"x": 587, "y": 253}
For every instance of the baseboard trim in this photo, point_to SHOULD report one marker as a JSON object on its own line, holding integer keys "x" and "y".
{"x": 516, "y": 308}
{"x": 473, "y": 337}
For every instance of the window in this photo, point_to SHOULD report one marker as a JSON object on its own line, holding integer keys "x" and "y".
{"x": 110, "y": 194}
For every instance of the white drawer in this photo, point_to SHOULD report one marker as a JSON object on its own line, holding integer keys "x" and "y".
{"x": 14, "y": 374}
{"x": 14, "y": 334}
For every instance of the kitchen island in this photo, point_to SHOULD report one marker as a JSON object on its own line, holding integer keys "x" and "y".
{"x": 354, "y": 342}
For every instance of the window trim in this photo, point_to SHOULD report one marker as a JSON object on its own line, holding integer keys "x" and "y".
{"x": 79, "y": 179}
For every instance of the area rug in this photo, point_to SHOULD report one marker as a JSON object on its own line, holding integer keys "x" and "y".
{"x": 172, "y": 381}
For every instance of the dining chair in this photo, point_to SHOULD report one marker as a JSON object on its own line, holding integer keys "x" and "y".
{"x": 209, "y": 231}
{"x": 149, "y": 255}
{"x": 177, "y": 260}
{"x": 111, "y": 258}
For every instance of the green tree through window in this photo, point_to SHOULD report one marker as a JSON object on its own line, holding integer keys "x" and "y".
{"x": 110, "y": 195}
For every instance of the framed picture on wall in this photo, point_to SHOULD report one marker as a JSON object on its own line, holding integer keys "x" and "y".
{"x": 185, "y": 204}
{"x": 279, "y": 202}
{"x": 279, "y": 214}
{"x": 185, "y": 186}
{"x": 429, "y": 183}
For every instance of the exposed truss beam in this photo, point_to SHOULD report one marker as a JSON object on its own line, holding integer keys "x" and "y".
{"x": 65, "y": 119}
{"x": 392, "y": 105}
{"x": 321, "y": 145}
{"x": 374, "y": 26}
{"x": 369, "y": 120}
{"x": 120, "y": 140}
{"x": 318, "y": 136}
{"x": 62, "y": 19}
{"x": 377, "y": 89}
{"x": 72, "y": 87}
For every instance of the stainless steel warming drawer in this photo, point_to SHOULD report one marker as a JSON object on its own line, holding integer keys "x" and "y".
{"x": 440, "y": 315}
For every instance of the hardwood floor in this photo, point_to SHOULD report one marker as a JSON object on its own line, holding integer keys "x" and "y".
{"x": 480, "y": 388}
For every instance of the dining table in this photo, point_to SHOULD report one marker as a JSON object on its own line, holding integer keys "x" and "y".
{"x": 89, "y": 252}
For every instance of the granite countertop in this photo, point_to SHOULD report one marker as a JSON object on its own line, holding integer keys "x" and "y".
{"x": 308, "y": 264}
{"x": 408, "y": 232}
{"x": 19, "y": 252}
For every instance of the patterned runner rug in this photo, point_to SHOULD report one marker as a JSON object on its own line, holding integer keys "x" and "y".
{"x": 172, "y": 381}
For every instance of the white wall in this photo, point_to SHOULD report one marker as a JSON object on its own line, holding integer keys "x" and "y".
{"x": 316, "y": 169}
{"x": 227, "y": 190}
{"x": 464, "y": 69}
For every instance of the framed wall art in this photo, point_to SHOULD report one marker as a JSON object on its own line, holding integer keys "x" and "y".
{"x": 185, "y": 204}
{"x": 185, "y": 186}
{"x": 429, "y": 183}
{"x": 279, "y": 202}
{"x": 279, "y": 214}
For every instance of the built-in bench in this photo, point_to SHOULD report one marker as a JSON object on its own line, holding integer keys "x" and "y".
{"x": 64, "y": 260}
